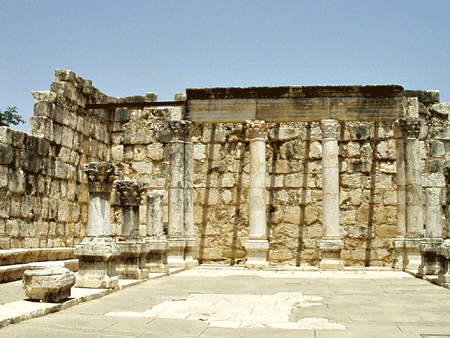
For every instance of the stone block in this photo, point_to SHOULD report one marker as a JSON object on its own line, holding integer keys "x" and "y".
{"x": 44, "y": 96}
{"x": 41, "y": 126}
{"x": 440, "y": 109}
{"x": 50, "y": 284}
{"x": 17, "y": 181}
{"x": 437, "y": 148}
{"x": 44, "y": 108}
{"x": 6, "y": 135}
{"x": 284, "y": 134}
{"x": 6, "y": 154}
{"x": 138, "y": 137}
{"x": 424, "y": 96}
{"x": 155, "y": 151}
{"x": 214, "y": 136}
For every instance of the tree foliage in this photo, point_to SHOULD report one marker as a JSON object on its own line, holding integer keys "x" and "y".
{"x": 10, "y": 116}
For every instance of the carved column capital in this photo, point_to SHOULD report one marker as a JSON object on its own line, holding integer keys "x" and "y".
{"x": 181, "y": 130}
{"x": 329, "y": 128}
{"x": 409, "y": 127}
{"x": 130, "y": 192}
{"x": 257, "y": 129}
{"x": 100, "y": 176}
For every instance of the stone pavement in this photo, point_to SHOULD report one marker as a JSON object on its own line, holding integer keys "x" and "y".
{"x": 234, "y": 302}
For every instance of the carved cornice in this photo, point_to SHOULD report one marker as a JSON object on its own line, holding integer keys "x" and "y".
{"x": 181, "y": 130}
{"x": 329, "y": 128}
{"x": 100, "y": 176}
{"x": 130, "y": 192}
{"x": 256, "y": 129}
{"x": 409, "y": 127}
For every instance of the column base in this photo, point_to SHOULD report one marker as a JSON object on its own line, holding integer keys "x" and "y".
{"x": 97, "y": 263}
{"x": 175, "y": 257}
{"x": 400, "y": 254}
{"x": 190, "y": 252}
{"x": 444, "y": 259}
{"x": 413, "y": 256}
{"x": 430, "y": 264}
{"x": 132, "y": 261}
{"x": 157, "y": 255}
{"x": 257, "y": 251}
{"x": 331, "y": 254}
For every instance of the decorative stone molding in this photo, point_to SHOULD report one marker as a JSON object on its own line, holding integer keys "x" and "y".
{"x": 329, "y": 128}
{"x": 130, "y": 192}
{"x": 410, "y": 127}
{"x": 100, "y": 176}
{"x": 257, "y": 129}
{"x": 181, "y": 130}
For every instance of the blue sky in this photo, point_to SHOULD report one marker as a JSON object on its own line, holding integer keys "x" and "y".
{"x": 134, "y": 47}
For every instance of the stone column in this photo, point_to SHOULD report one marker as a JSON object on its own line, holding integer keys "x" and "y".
{"x": 433, "y": 233}
{"x": 399, "y": 242}
{"x": 191, "y": 250}
{"x": 157, "y": 241}
{"x": 97, "y": 252}
{"x": 414, "y": 195}
{"x": 443, "y": 251}
{"x": 132, "y": 263}
{"x": 257, "y": 245}
{"x": 176, "y": 229}
{"x": 331, "y": 245}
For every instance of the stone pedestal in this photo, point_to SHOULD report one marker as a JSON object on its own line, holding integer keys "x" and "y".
{"x": 444, "y": 260}
{"x": 97, "y": 252}
{"x": 133, "y": 250}
{"x": 331, "y": 245}
{"x": 400, "y": 254}
{"x": 157, "y": 255}
{"x": 430, "y": 264}
{"x": 257, "y": 245}
{"x": 132, "y": 263}
{"x": 49, "y": 284}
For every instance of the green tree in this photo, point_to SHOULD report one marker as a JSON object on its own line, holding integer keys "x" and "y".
{"x": 10, "y": 116}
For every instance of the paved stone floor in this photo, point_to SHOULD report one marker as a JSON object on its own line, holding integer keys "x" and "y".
{"x": 233, "y": 302}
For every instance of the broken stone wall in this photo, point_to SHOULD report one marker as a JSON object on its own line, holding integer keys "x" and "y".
{"x": 43, "y": 189}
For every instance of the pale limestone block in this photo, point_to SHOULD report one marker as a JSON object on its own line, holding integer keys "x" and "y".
{"x": 67, "y": 137}
{"x": 227, "y": 196}
{"x": 12, "y": 227}
{"x": 155, "y": 151}
{"x": 142, "y": 167}
{"x": 353, "y": 149}
{"x": 41, "y": 126}
{"x": 436, "y": 148}
{"x": 390, "y": 197}
{"x": 214, "y": 136}
{"x": 199, "y": 151}
{"x": 44, "y": 96}
{"x": 284, "y": 133}
{"x": 383, "y": 181}
{"x": 228, "y": 180}
{"x": 16, "y": 181}
{"x": 44, "y": 108}
{"x": 292, "y": 214}
{"x": 3, "y": 176}
{"x": 315, "y": 150}
{"x": 139, "y": 153}
{"x": 293, "y": 181}
{"x": 440, "y": 109}
{"x": 388, "y": 168}
{"x": 63, "y": 211}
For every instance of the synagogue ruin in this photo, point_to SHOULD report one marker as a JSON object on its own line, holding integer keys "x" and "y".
{"x": 322, "y": 176}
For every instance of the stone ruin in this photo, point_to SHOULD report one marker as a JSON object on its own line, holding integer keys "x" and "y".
{"x": 325, "y": 176}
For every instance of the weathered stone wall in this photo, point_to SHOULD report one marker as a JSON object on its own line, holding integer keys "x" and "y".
{"x": 44, "y": 195}
{"x": 43, "y": 190}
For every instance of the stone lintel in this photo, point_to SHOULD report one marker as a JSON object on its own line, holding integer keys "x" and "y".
{"x": 296, "y": 109}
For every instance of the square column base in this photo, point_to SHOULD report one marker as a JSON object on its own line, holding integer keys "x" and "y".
{"x": 444, "y": 258}
{"x": 132, "y": 261}
{"x": 400, "y": 254}
{"x": 430, "y": 264}
{"x": 331, "y": 254}
{"x": 190, "y": 252}
{"x": 97, "y": 263}
{"x": 157, "y": 255}
{"x": 175, "y": 257}
{"x": 413, "y": 256}
{"x": 257, "y": 251}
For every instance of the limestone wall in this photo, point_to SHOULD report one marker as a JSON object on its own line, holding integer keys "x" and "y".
{"x": 43, "y": 190}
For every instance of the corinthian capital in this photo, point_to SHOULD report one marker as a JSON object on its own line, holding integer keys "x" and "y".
{"x": 130, "y": 192}
{"x": 257, "y": 129}
{"x": 409, "y": 127}
{"x": 329, "y": 128}
{"x": 181, "y": 130}
{"x": 100, "y": 176}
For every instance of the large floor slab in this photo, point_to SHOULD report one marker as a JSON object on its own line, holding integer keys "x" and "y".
{"x": 206, "y": 302}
